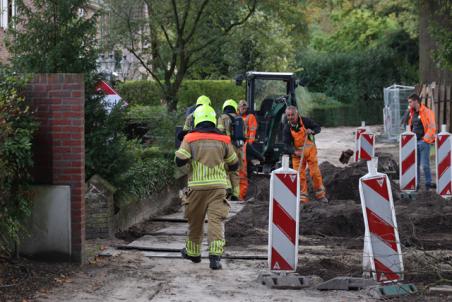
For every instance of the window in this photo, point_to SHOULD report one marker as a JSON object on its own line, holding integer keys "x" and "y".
{"x": 7, "y": 12}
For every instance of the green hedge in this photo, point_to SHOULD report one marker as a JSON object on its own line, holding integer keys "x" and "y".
{"x": 147, "y": 92}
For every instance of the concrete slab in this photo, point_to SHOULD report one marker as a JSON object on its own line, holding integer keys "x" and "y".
{"x": 287, "y": 281}
{"x": 49, "y": 224}
{"x": 394, "y": 290}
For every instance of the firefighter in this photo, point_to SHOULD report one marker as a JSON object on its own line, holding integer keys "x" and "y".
{"x": 422, "y": 122}
{"x": 208, "y": 152}
{"x": 189, "y": 121}
{"x": 250, "y": 125}
{"x": 226, "y": 124}
{"x": 298, "y": 137}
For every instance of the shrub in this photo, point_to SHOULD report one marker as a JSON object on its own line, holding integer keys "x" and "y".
{"x": 16, "y": 132}
{"x": 143, "y": 178}
{"x": 147, "y": 92}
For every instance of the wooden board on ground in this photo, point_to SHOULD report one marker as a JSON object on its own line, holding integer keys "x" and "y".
{"x": 205, "y": 254}
{"x": 162, "y": 242}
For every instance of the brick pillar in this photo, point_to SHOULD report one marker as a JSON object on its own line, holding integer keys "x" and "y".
{"x": 59, "y": 145}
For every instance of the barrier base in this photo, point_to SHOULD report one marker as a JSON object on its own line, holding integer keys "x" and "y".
{"x": 346, "y": 283}
{"x": 287, "y": 280}
{"x": 392, "y": 290}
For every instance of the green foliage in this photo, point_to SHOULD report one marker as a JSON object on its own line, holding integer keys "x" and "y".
{"x": 16, "y": 131}
{"x": 354, "y": 78}
{"x": 144, "y": 178}
{"x": 158, "y": 120}
{"x": 441, "y": 31}
{"x": 146, "y": 93}
{"x": 51, "y": 36}
{"x": 107, "y": 149}
{"x": 267, "y": 42}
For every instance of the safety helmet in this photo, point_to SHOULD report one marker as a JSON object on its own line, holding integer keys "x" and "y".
{"x": 205, "y": 113}
{"x": 203, "y": 100}
{"x": 230, "y": 102}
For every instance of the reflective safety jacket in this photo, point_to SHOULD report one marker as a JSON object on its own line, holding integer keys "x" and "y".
{"x": 250, "y": 122}
{"x": 428, "y": 121}
{"x": 208, "y": 151}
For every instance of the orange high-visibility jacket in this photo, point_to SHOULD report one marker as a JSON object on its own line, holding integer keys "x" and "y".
{"x": 428, "y": 121}
{"x": 250, "y": 123}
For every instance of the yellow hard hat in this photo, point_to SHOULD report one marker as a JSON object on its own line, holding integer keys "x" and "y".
{"x": 205, "y": 113}
{"x": 203, "y": 100}
{"x": 230, "y": 102}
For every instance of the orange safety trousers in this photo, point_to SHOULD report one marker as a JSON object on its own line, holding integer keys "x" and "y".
{"x": 309, "y": 160}
{"x": 300, "y": 139}
{"x": 243, "y": 174}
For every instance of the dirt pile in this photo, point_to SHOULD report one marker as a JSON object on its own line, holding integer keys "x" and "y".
{"x": 424, "y": 221}
{"x": 341, "y": 183}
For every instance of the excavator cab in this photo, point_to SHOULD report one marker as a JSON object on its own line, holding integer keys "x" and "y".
{"x": 268, "y": 94}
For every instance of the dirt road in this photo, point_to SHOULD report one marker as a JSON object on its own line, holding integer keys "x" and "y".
{"x": 135, "y": 275}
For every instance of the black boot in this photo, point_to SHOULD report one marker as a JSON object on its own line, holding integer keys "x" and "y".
{"x": 194, "y": 259}
{"x": 215, "y": 262}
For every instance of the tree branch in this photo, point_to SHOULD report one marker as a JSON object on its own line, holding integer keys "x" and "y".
{"x": 195, "y": 24}
{"x": 176, "y": 16}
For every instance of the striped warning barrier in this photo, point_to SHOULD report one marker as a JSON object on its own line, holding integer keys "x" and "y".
{"x": 283, "y": 219}
{"x": 358, "y": 133}
{"x": 443, "y": 163}
{"x": 366, "y": 144}
{"x": 382, "y": 243}
{"x": 408, "y": 177}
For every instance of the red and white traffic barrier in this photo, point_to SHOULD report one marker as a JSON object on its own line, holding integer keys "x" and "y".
{"x": 382, "y": 251}
{"x": 443, "y": 163}
{"x": 408, "y": 177}
{"x": 283, "y": 219}
{"x": 366, "y": 144}
{"x": 358, "y": 133}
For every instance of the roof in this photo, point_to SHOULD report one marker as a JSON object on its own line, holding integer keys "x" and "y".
{"x": 270, "y": 75}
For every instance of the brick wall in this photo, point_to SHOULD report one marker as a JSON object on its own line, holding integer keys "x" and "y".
{"x": 59, "y": 146}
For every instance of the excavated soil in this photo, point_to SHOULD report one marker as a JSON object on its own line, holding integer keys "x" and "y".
{"x": 424, "y": 221}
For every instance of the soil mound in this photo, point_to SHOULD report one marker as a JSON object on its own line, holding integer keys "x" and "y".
{"x": 342, "y": 183}
{"x": 423, "y": 221}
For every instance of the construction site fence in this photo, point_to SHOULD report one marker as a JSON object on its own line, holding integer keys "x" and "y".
{"x": 437, "y": 96}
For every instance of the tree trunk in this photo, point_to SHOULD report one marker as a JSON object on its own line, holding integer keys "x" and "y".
{"x": 429, "y": 71}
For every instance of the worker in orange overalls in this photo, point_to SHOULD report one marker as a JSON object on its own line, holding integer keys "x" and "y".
{"x": 250, "y": 123}
{"x": 298, "y": 136}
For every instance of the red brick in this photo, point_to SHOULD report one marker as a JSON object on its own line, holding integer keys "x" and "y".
{"x": 71, "y": 129}
{"x": 78, "y": 108}
{"x": 61, "y": 122}
{"x": 76, "y": 94}
{"x": 71, "y": 114}
{"x": 61, "y": 150}
{"x": 59, "y": 93}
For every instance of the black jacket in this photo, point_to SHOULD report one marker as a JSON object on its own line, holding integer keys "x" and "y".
{"x": 287, "y": 135}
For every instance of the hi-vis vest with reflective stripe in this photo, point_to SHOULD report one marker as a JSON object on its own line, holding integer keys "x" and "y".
{"x": 208, "y": 153}
{"x": 428, "y": 121}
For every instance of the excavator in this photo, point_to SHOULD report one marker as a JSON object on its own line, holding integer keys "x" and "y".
{"x": 268, "y": 94}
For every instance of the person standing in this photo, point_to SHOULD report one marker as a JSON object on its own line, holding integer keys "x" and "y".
{"x": 422, "y": 122}
{"x": 298, "y": 137}
{"x": 208, "y": 152}
{"x": 226, "y": 124}
{"x": 250, "y": 125}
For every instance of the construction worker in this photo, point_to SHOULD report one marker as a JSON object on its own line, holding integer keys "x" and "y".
{"x": 298, "y": 136}
{"x": 189, "y": 121}
{"x": 208, "y": 151}
{"x": 422, "y": 122}
{"x": 250, "y": 125}
{"x": 226, "y": 123}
